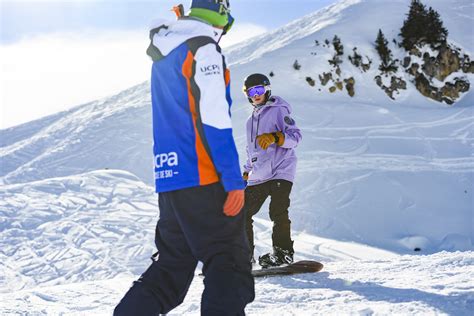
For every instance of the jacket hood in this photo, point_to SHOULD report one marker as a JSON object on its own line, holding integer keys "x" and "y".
{"x": 274, "y": 101}
{"x": 174, "y": 33}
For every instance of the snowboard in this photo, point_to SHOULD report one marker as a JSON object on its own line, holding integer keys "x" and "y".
{"x": 304, "y": 266}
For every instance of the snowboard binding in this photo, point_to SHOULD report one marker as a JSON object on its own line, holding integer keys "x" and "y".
{"x": 277, "y": 258}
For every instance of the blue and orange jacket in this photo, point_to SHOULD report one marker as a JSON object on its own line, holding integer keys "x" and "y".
{"x": 190, "y": 91}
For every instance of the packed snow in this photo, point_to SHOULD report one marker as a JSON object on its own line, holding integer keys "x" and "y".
{"x": 383, "y": 195}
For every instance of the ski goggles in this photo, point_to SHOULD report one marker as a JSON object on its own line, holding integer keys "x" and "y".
{"x": 256, "y": 91}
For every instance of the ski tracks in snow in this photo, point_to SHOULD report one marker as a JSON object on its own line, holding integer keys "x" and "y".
{"x": 348, "y": 147}
{"x": 75, "y": 229}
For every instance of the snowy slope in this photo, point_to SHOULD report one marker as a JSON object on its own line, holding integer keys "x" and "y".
{"x": 80, "y": 241}
{"x": 92, "y": 226}
{"x": 439, "y": 284}
{"x": 112, "y": 133}
{"x": 376, "y": 179}
{"x": 368, "y": 157}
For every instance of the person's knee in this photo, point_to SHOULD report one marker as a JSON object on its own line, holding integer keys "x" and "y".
{"x": 280, "y": 218}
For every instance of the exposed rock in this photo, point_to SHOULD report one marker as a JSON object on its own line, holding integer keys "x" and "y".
{"x": 443, "y": 65}
{"x": 310, "y": 81}
{"x": 332, "y": 89}
{"x": 415, "y": 51}
{"x": 350, "y": 86}
{"x": 423, "y": 85}
{"x": 448, "y": 101}
{"x": 452, "y": 91}
{"x": 325, "y": 78}
{"x": 406, "y": 61}
{"x": 338, "y": 71}
{"x": 462, "y": 85}
{"x": 378, "y": 81}
{"x": 448, "y": 93}
{"x": 366, "y": 66}
{"x": 396, "y": 84}
{"x": 468, "y": 67}
{"x": 449, "y": 90}
{"x": 449, "y": 61}
{"x": 339, "y": 85}
{"x": 413, "y": 70}
{"x": 430, "y": 67}
{"x": 335, "y": 61}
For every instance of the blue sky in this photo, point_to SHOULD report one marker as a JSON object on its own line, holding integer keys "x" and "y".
{"x": 59, "y": 54}
{"x": 24, "y": 18}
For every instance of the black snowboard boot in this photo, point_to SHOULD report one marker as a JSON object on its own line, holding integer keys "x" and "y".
{"x": 277, "y": 258}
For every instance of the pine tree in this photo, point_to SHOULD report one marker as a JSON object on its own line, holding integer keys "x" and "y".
{"x": 436, "y": 33}
{"x": 414, "y": 27}
{"x": 296, "y": 65}
{"x": 381, "y": 45}
{"x": 336, "y": 42}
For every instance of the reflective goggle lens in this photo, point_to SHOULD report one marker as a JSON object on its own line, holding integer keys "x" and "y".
{"x": 256, "y": 91}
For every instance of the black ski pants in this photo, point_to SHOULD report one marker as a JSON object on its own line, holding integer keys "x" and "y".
{"x": 279, "y": 191}
{"x": 192, "y": 227}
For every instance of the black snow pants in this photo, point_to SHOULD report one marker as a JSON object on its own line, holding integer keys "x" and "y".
{"x": 192, "y": 227}
{"x": 279, "y": 191}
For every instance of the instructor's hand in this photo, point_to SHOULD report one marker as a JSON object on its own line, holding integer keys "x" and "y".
{"x": 234, "y": 203}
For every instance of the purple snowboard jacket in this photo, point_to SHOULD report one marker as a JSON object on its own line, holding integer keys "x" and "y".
{"x": 277, "y": 162}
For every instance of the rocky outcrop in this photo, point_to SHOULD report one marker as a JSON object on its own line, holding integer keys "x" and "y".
{"x": 325, "y": 78}
{"x": 413, "y": 70}
{"x": 396, "y": 84}
{"x": 350, "y": 86}
{"x": 440, "y": 67}
{"x": 467, "y": 65}
{"x": 406, "y": 61}
{"x": 452, "y": 91}
{"x": 310, "y": 81}
{"x": 358, "y": 62}
{"x": 448, "y": 93}
{"x": 447, "y": 61}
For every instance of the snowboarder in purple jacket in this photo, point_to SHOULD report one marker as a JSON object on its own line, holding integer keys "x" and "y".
{"x": 270, "y": 170}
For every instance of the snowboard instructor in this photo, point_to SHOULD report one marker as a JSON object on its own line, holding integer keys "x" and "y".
{"x": 270, "y": 170}
{"x": 197, "y": 172}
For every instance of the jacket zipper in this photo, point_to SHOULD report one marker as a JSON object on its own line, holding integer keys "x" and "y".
{"x": 256, "y": 133}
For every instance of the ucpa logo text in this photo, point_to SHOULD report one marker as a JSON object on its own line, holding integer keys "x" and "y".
{"x": 211, "y": 70}
{"x": 171, "y": 159}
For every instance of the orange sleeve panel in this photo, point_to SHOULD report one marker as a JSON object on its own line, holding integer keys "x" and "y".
{"x": 206, "y": 168}
{"x": 227, "y": 77}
